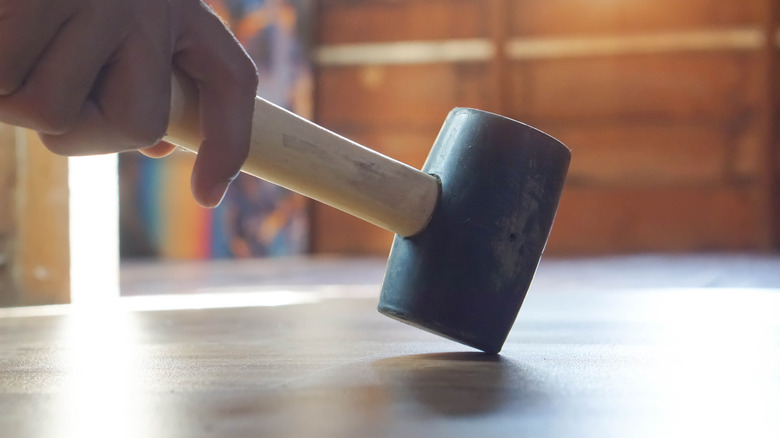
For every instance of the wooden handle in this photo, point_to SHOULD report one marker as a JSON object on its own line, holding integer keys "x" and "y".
{"x": 294, "y": 153}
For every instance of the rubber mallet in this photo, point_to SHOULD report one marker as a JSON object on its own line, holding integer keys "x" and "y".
{"x": 470, "y": 227}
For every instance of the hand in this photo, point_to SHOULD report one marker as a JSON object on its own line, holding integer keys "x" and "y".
{"x": 94, "y": 76}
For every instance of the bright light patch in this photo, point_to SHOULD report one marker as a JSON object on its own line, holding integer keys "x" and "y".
{"x": 94, "y": 228}
{"x": 103, "y": 370}
{"x": 720, "y": 361}
{"x": 207, "y": 298}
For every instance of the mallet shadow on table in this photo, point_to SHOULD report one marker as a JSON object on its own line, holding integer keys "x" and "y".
{"x": 470, "y": 227}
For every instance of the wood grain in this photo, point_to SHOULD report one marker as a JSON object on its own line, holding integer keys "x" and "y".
{"x": 349, "y": 21}
{"x": 651, "y": 153}
{"x": 567, "y": 17}
{"x": 602, "y": 347}
{"x": 677, "y": 218}
{"x": 650, "y": 95}
{"x": 715, "y": 86}
{"x": 399, "y": 97}
{"x": 335, "y": 232}
{"x": 736, "y": 39}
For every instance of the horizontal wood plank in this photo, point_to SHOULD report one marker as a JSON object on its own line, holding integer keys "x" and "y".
{"x": 334, "y": 231}
{"x": 400, "y": 96}
{"x": 637, "y": 346}
{"x": 560, "y": 17}
{"x": 407, "y": 52}
{"x": 648, "y": 153}
{"x": 349, "y": 21}
{"x": 718, "y": 86}
{"x": 736, "y": 39}
{"x": 603, "y": 220}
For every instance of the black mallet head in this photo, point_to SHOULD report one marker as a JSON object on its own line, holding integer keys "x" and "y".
{"x": 466, "y": 274}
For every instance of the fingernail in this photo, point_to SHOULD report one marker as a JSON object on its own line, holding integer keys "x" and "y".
{"x": 217, "y": 193}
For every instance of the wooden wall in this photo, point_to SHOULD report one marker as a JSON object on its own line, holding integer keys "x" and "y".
{"x": 7, "y": 211}
{"x": 666, "y": 104}
{"x": 34, "y": 221}
{"x": 772, "y": 81}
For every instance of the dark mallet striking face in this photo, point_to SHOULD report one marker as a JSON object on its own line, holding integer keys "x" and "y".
{"x": 471, "y": 226}
{"x": 466, "y": 275}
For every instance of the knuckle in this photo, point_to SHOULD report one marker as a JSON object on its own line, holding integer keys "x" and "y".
{"x": 144, "y": 130}
{"x": 152, "y": 133}
{"x": 54, "y": 119}
{"x": 15, "y": 64}
{"x": 243, "y": 73}
{"x": 11, "y": 78}
{"x": 51, "y": 111}
{"x": 55, "y": 145}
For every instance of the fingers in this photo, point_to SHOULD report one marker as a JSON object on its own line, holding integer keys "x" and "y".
{"x": 20, "y": 47}
{"x": 94, "y": 76}
{"x": 227, "y": 82}
{"x": 128, "y": 107}
{"x": 160, "y": 150}
{"x": 102, "y": 82}
{"x": 55, "y": 90}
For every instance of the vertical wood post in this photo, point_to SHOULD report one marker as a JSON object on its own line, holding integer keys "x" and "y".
{"x": 34, "y": 224}
{"x": 499, "y": 23}
{"x": 771, "y": 177}
{"x": 8, "y": 288}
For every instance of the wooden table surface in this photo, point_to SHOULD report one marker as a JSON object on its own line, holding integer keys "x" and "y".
{"x": 319, "y": 361}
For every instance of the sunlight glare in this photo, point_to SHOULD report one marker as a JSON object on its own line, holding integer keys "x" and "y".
{"x": 94, "y": 228}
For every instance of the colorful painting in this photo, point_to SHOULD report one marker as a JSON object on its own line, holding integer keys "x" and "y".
{"x": 256, "y": 218}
